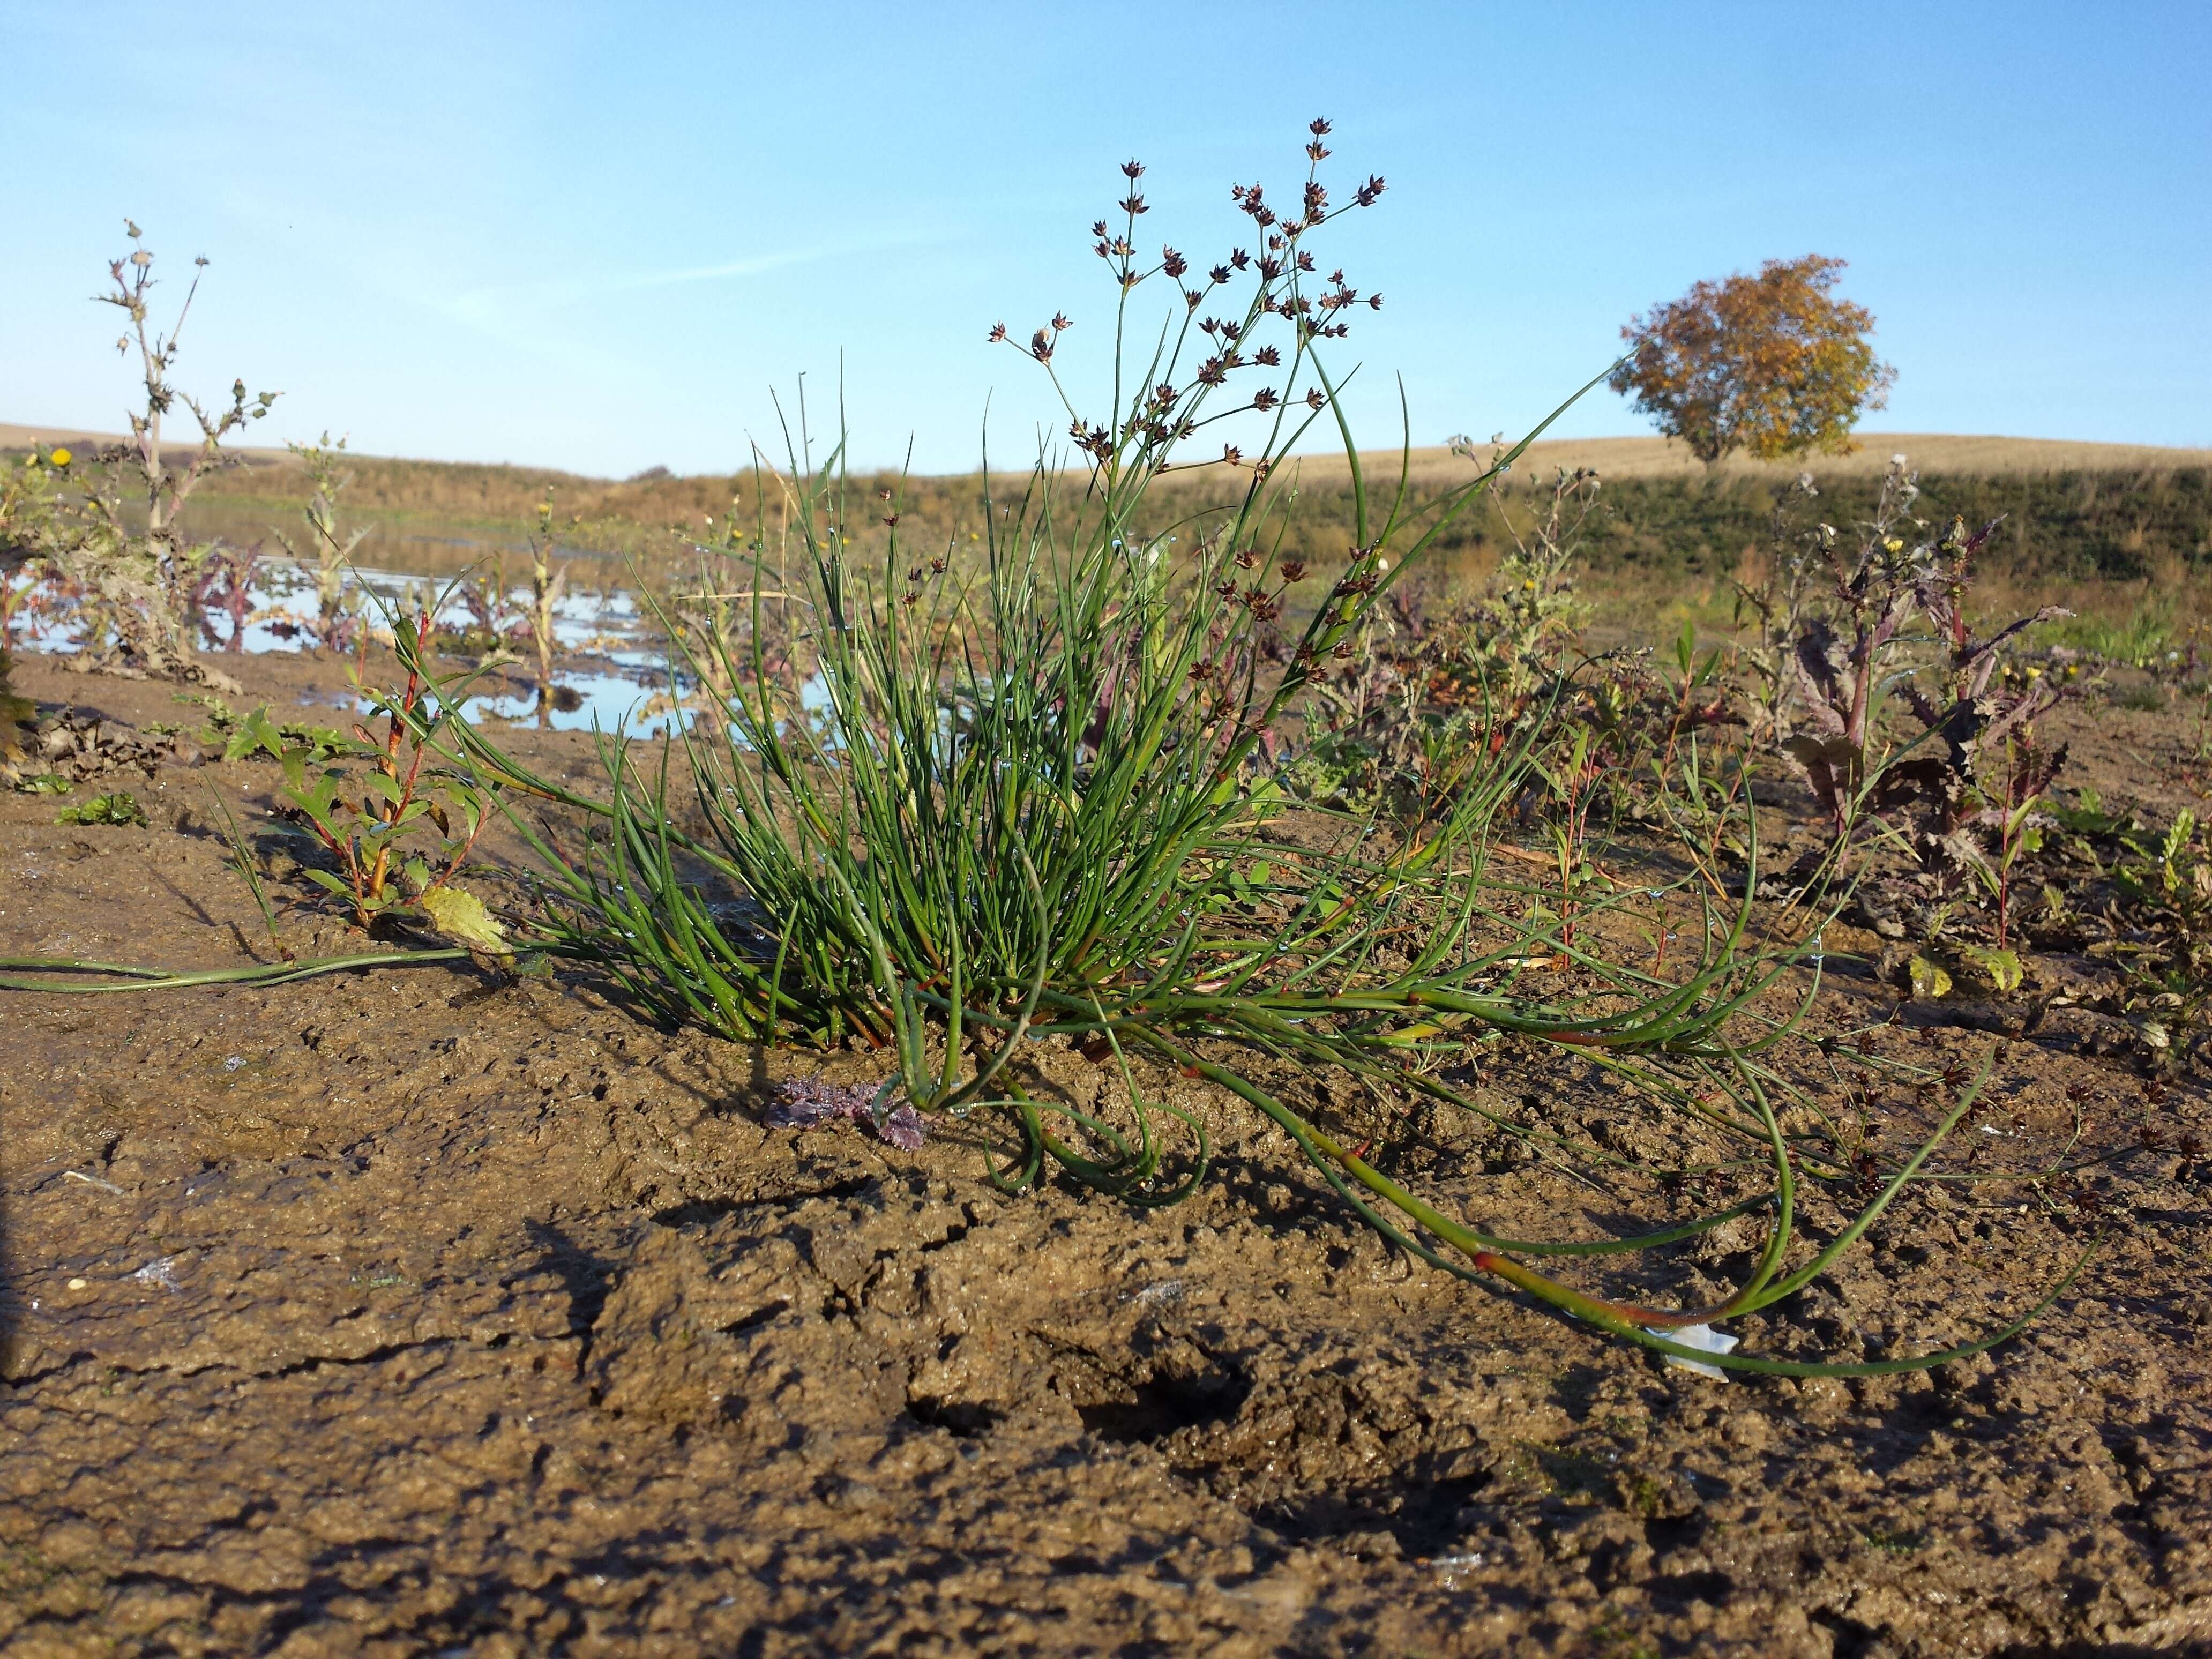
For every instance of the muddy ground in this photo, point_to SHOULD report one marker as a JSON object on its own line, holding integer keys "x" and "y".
{"x": 424, "y": 1312}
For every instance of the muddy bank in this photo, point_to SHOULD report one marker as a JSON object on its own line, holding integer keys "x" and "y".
{"x": 430, "y": 1311}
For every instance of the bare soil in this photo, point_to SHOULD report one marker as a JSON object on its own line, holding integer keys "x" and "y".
{"x": 430, "y": 1311}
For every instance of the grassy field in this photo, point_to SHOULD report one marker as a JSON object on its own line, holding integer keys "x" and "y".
{"x": 2132, "y": 515}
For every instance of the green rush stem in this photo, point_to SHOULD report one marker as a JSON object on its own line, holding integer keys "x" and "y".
{"x": 160, "y": 979}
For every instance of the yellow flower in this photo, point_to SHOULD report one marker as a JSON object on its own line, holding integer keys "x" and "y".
{"x": 1895, "y": 544}
{"x": 62, "y": 458}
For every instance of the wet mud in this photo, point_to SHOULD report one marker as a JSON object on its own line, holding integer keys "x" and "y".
{"x": 435, "y": 1311}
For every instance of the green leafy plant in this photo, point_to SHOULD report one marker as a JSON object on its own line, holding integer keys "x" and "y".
{"x": 2165, "y": 887}
{"x": 370, "y": 800}
{"x": 119, "y": 808}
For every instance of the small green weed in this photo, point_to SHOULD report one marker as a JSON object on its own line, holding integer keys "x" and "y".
{"x": 373, "y": 822}
{"x": 245, "y": 735}
{"x": 119, "y": 808}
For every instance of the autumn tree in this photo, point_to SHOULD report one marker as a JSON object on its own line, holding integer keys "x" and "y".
{"x": 1773, "y": 365}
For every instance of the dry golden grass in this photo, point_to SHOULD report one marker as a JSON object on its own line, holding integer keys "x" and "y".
{"x": 1658, "y": 458}
{"x": 1643, "y": 457}
{"x": 15, "y": 435}
{"x": 2072, "y": 509}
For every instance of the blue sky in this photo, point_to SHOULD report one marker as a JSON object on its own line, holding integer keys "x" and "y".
{"x": 597, "y": 238}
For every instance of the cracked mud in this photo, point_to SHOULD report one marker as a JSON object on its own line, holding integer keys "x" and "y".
{"x": 411, "y": 1313}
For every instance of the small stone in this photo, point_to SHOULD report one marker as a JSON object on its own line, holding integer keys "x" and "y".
{"x": 77, "y": 1285}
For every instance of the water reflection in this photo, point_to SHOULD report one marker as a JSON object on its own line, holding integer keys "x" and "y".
{"x": 617, "y": 674}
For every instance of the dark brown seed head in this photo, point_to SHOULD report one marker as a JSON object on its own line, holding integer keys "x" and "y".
{"x": 1294, "y": 570}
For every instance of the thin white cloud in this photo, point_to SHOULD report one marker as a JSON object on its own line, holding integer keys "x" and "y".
{"x": 479, "y": 305}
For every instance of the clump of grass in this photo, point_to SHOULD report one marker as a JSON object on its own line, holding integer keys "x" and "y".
{"x": 1026, "y": 798}
{"x": 2143, "y": 639}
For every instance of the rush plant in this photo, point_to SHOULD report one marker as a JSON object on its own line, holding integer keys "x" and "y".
{"x": 1023, "y": 799}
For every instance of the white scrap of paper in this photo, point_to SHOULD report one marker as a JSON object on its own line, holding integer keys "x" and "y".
{"x": 1697, "y": 1336}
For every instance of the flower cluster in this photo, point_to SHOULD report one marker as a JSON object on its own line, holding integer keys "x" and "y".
{"x": 1165, "y": 413}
